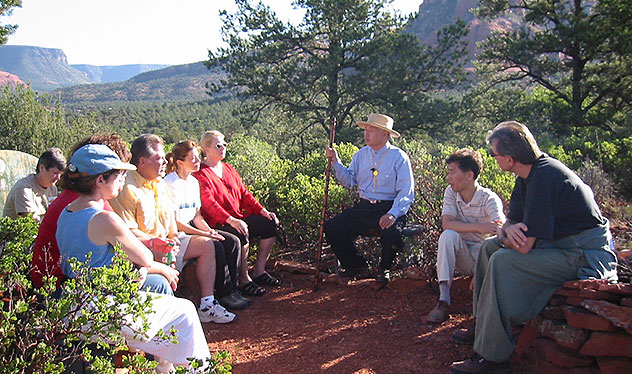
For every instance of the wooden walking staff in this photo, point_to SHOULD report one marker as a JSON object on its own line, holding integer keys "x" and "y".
{"x": 323, "y": 212}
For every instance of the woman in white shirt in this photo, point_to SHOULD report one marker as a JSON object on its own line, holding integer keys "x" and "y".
{"x": 184, "y": 159}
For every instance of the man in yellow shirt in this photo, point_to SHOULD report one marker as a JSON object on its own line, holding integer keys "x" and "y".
{"x": 146, "y": 206}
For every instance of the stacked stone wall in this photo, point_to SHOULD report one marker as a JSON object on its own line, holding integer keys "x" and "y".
{"x": 586, "y": 328}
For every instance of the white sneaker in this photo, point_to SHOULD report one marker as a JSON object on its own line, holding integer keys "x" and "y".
{"x": 215, "y": 313}
{"x": 164, "y": 366}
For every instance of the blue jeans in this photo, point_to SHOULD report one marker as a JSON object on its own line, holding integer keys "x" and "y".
{"x": 156, "y": 283}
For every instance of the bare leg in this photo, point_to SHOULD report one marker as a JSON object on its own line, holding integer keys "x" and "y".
{"x": 203, "y": 249}
{"x": 244, "y": 277}
{"x": 265, "y": 247}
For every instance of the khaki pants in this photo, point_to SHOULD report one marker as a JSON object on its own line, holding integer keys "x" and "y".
{"x": 454, "y": 253}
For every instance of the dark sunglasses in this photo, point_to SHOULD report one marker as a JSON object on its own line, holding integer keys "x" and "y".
{"x": 221, "y": 145}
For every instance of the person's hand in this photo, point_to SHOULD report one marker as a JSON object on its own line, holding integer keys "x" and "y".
{"x": 171, "y": 274}
{"x": 490, "y": 227}
{"x": 271, "y": 216}
{"x": 387, "y": 221}
{"x": 142, "y": 275}
{"x": 332, "y": 155}
{"x": 215, "y": 235}
{"x": 516, "y": 234}
{"x": 239, "y": 225}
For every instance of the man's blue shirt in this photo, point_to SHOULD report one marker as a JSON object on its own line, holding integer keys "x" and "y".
{"x": 394, "y": 180}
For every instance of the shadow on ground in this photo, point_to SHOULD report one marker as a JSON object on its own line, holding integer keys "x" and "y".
{"x": 350, "y": 328}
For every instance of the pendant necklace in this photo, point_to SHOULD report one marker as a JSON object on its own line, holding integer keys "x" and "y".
{"x": 375, "y": 168}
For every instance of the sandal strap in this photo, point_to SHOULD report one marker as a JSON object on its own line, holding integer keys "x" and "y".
{"x": 252, "y": 289}
{"x": 266, "y": 279}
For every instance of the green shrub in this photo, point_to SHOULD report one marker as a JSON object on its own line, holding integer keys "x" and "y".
{"x": 294, "y": 190}
{"x": 261, "y": 169}
{"x": 613, "y": 157}
{"x": 429, "y": 173}
{"x": 43, "y": 334}
{"x": 31, "y": 122}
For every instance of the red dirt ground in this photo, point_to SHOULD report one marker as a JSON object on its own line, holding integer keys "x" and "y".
{"x": 352, "y": 328}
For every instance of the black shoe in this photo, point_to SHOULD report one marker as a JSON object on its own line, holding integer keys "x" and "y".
{"x": 266, "y": 279}
{"x": 239, "y": 296}
{"x": 464, "y": 336}
{"x": 355, "y": 273}
{"x": 233, "y": 302}
{"x": 479, "y": 365}
{"x": 440, "y": 313}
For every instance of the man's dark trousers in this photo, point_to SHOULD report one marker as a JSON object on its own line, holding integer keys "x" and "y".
{"x": 342, "y": 230}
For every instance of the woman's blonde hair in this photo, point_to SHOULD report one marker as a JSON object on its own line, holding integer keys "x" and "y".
{"x": 207, "y": 138}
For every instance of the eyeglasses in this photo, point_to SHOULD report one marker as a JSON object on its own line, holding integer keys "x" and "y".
{"x": 221, "y": 145}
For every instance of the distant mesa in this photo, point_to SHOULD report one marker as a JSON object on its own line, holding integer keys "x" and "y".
{"x": 47, "y": 69}
{"x": 8, "y": 79}
{"x": 435, "y": 14}
{"x": 43, "y": 68}
{"x": 115, "y": 73}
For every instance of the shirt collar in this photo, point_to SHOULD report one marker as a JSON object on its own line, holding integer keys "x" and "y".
{"x": 386, "y": 147}
{"x": 142, "y": 181}
{"x": 475, "y": 198}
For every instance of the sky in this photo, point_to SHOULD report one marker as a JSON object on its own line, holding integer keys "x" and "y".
{"x": 119, "y": 32}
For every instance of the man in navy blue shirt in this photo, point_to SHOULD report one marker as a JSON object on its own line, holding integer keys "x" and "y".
{"x": 384, "y": 178}
{"x": 554, "y": 233}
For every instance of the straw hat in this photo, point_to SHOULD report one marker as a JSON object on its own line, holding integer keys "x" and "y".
{"x": 380, "y": 121}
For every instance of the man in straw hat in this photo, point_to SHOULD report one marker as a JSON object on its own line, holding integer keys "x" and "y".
{"x": 384, "y": 179}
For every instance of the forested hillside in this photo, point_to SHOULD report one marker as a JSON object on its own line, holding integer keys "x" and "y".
{"x": 174, "y": 83}
{"x": 116, "y": 73}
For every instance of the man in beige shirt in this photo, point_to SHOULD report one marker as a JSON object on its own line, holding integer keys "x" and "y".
{"x": 33, "y": 194}
{"x": 146, "y": 206}
{"x": 470, "y": 214}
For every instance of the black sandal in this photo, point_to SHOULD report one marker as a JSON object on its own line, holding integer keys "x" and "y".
{"x": 252, "y": 289}
{"x": 266, "y": 279}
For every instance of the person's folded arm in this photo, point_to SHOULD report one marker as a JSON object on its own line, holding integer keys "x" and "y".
{"x": 513, "y": 236}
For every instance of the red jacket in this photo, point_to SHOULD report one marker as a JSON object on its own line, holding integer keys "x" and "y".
{"x": 225, "y": 197}
{"x": 46, "y": 257}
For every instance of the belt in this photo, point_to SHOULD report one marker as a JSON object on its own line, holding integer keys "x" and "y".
{"x": 375, "y": 201}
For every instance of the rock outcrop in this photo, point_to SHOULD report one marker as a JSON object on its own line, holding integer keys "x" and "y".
{"x": 586, "y": 328}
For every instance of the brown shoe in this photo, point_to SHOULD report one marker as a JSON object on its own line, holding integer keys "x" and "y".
{"x": 439, "y": 313}
{"x": 478, "y": 365}
{"x": 464, "y": 336}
